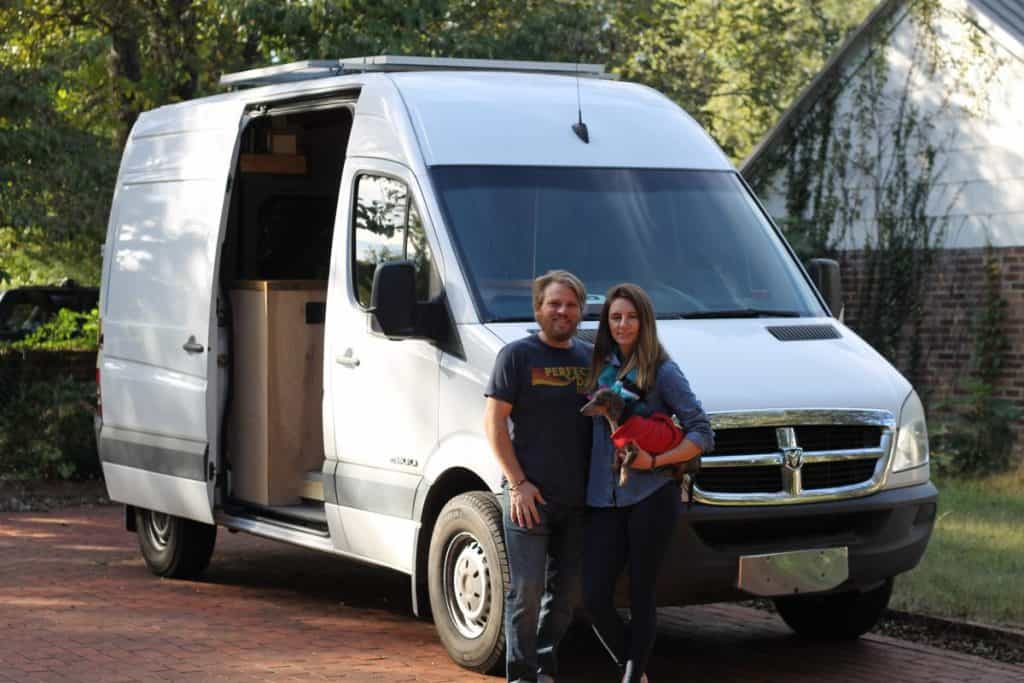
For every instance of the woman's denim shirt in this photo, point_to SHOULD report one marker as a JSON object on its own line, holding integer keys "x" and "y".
{"x": 671, "y": 394}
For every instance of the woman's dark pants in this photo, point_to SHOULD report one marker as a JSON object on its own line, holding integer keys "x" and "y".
{"x": 638, "y": 534}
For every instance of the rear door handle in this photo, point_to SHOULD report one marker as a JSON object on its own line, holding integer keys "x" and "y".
{"x": 348, "y": 360}
{"x": 192, "y": 346}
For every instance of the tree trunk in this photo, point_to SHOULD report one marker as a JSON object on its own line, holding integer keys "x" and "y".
{"x": 124, "y": 64}
{"x": 183, "y": 48}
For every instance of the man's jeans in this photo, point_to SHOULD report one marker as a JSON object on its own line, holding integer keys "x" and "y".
{"x": 545, "y": 588}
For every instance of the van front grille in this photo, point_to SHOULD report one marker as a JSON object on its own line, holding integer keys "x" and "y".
{"x": 827, "y": 475}
{"x": 745, "y": 440}
{"x": 809, "y": 437}
{"x": 741, "y": 480}
{"x": 794, "y": 456}
{"x": 837, "y": 437}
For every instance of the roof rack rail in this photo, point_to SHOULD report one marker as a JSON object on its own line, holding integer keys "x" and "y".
{"x": 322, "y": 68}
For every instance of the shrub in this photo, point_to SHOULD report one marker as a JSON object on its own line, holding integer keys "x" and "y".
{"x": 46, "y": 425}
{"x": 974, "y": 434}
{"x": 67, "y": 331}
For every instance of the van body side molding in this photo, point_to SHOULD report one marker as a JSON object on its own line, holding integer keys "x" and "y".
{"x": 153, "y": 453}
{"x": 372, "y": 489}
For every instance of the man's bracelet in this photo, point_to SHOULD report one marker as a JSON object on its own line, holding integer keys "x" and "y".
{"x": 513, "y": 487}
{"x": 654, "y": 462}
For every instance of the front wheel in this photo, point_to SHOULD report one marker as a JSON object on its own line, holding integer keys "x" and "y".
{"x": 172, "y": 546}
{"x": 842, "y": 616}
{"x": 467, "y": 577}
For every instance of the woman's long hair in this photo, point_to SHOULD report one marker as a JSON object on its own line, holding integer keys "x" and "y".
{"x": 648, "y": 353}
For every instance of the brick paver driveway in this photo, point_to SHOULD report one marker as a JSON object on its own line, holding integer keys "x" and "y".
{"x": 78, "y": 604}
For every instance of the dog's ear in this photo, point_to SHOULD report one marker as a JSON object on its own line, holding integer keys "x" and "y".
{"x": 593, "y": 407}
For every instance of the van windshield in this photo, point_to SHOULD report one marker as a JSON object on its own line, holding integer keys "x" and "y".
{"x": 695, "y": 240}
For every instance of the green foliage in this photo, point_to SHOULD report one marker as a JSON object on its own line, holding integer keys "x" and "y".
{"x": 67, "y": 331}
{"x": 735, "y": 65}
{"x": 46, "y": 426}
{"x": 30, "y": 257}
{"x": 974, "y": 434}
{"x": 74, "y": 75}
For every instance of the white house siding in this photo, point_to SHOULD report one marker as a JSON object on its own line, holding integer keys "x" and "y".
{"x": 978, "y": 128}
{"x": 980, "y": 139}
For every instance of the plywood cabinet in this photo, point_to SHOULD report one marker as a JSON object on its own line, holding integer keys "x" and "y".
{"x": 276, "y": 430}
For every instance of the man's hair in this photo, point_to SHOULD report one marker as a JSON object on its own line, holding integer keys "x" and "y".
{"x": 562, "y": 277}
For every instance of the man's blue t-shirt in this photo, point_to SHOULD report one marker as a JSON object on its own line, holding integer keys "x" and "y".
{"x": 546, "y": 386}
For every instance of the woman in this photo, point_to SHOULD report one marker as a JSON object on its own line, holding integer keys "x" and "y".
{"x": 634, "y": 522}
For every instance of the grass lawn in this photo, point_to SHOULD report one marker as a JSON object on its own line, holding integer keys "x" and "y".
{"x": 974, "y": 566}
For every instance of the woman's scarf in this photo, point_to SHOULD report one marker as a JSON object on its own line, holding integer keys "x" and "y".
{"x": 625, "y": 386}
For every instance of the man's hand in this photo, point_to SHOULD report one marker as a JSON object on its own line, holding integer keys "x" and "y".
{"x": 523, "y": 501}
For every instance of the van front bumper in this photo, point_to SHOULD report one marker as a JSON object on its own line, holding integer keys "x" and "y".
{"x": 885, "y": 534}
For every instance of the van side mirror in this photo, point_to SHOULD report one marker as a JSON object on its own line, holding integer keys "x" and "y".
{"x": 393, "y": 298}
{"x": 825, "y": 274}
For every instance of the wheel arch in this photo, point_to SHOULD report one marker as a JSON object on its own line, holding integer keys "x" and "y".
{"x": 429, "y": 501}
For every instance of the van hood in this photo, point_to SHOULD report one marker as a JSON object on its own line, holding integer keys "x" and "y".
{"x": 738, "y": 365}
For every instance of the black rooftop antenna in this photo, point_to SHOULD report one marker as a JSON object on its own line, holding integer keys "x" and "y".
{"x": 579, "y": 127}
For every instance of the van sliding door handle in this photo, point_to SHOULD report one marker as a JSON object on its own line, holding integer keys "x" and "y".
{"x": 348, "y": 360}
{"x": 192, "y": 346}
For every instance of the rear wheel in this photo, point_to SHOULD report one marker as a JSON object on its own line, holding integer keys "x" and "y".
{"x": 842, "y": 616}
{"x": 172, "y": 546}
{"x": 467, "y": 577}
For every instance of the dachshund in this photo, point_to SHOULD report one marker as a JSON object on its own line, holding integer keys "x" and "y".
{"x": 611, "y": 406}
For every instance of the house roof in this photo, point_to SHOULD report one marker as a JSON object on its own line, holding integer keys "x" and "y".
{"x": 1005, "y": 15}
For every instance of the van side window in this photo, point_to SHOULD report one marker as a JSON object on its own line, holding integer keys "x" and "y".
{"x": 388, "y": 227}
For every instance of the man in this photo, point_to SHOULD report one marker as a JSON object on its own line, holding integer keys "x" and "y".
{"x": 539, "y": 383}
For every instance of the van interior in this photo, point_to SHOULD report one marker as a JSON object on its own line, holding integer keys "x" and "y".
{"x": 273, "y": 280}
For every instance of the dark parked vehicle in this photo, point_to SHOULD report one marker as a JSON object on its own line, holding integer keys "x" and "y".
{"x": 24, "y": 309}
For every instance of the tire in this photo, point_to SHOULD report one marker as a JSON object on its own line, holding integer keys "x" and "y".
{"x": 172, "y": 546}
{"x": 467, "y": 576}
{"x": 842, "y": 616}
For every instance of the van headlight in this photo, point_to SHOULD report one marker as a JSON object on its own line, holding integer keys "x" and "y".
{"x": 911, "y": 437}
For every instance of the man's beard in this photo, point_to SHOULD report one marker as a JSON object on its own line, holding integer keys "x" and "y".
{"x": 552, "y": 333}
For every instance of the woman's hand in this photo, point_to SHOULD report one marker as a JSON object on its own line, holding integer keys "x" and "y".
{"x": 523, "y": 500}
{"x": 642, "y": 461}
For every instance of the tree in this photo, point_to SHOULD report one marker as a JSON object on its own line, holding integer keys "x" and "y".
{"x": 76, "y": 74}
{"x": 55, "y": 181}
{"x": 735, "y": 65}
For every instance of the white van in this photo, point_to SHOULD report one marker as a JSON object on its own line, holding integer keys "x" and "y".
{"x": 306, "y": 281}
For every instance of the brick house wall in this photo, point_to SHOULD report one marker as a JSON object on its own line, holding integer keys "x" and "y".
{"x": 953, "y": 300}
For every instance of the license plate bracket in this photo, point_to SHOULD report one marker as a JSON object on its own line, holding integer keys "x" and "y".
{"x": 793, "y": 572}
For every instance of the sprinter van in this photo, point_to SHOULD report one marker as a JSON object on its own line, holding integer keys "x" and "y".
{"x": 306, "y": 280}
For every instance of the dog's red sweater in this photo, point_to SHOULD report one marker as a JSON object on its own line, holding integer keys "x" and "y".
{"x": 655, "y": 434}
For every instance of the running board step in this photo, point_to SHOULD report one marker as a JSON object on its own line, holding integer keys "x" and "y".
{"x": 278, "y": 531}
